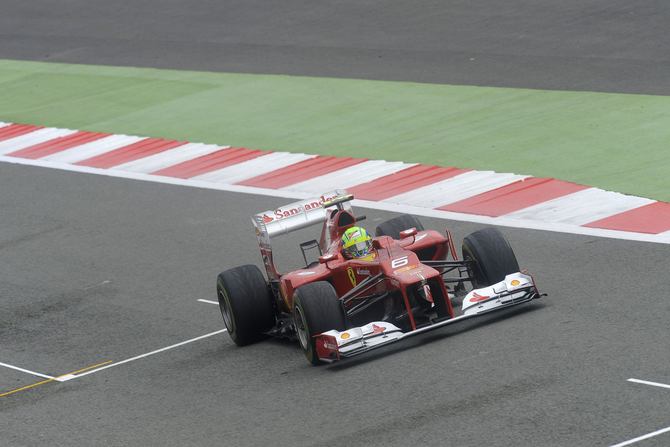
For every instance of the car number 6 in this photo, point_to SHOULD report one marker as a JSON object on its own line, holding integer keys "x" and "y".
{"x": 399, "y": 262}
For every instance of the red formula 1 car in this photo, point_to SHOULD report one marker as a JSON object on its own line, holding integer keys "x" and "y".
{"x": 340, "y": 305}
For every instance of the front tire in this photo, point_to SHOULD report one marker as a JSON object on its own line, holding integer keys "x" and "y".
{"x": 245, "y": 303}
{"x": 495, "y": 257}
{"x": 316, "y": 309}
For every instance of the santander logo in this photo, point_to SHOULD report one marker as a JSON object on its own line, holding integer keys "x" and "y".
{"x": 280, "y": 213}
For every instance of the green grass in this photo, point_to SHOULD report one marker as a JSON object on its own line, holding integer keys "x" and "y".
{"x": 611, "y": 141}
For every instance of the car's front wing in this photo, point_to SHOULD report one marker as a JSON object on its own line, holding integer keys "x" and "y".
{"x": 517, "y": 288}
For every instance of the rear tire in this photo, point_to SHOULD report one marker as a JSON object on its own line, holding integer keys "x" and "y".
{"x": 495, "y": 257}
{"x": 394, "y": 226}
{"x": 245, "y": 303}
{"x": 316, "y": 309}
{"x": 404, "y": 222}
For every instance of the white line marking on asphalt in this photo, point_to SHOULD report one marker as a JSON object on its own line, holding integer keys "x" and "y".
{"x": 71, "y": 376}
{"x": 96, "y": 285}
{"x": 652, "y": 434}
{"x": 26, "y": 371}
{"x": 644, "y": 382}
{"x": 209, "y": 302}
{"x": 641, "y": 438}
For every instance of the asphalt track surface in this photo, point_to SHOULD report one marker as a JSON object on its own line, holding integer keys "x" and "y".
{"x": 615, "y": 46}
{"x": 98, "y": 269}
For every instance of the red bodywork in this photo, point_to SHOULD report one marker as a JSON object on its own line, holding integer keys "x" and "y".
{"x": 396, "y": 260}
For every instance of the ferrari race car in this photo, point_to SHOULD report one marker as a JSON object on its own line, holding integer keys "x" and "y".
{"x": 401, "y": 283}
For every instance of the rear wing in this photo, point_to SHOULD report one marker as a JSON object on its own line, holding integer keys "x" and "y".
{"x": 286, "y": 219}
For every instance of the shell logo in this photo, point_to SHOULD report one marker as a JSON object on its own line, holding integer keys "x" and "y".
{"x": 345, "y": 336}
{"x": 516, "y": 282}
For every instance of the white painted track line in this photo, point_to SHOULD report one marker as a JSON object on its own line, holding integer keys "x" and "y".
{"x": 642, "y": 438}
{"x": 581, "y": 207}
{"x": 455, "y": 189}
{"x": 652, "y": 434}
{"x": 253, "y": 168}
{"x": 26, "y": 371}
{"x": 92, "y": 149}
{"x": 32, "y": 138}
{"x": 76, "y": 376}
{"x": 644, "y": 382}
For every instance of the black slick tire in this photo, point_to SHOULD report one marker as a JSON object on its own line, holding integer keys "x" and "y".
{"x": 394, "y": 226}
{"x": 493, "y": 253}
{"x": 245, "y": 303}
{"x": 316, "y": 309}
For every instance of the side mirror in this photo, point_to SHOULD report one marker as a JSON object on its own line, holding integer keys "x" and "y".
{"x": 309, "y": 245}
{"x": 407, "y": 233}
{"x": 325, "y": 258}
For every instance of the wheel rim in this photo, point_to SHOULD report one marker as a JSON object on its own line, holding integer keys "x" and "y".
{"x": 225, "y": 311}
{"x": 300, "y": 327}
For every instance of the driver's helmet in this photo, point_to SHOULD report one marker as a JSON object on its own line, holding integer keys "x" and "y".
{"x": 356, "y": 244}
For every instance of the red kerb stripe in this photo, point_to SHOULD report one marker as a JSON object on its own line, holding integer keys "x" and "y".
{"x": 403, "y": 181}
{"x": 651, "y": 219}
{"x": 134, "y": 151}
{"x": 16, "y": 130}
{"x": 513, "y": 197}
{"x": 210, "y": 162}
{"x": 301, "y": 171}
{"x": 57, "y": 145}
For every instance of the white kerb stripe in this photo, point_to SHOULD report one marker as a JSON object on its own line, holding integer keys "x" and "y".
{"x": 32, "y": 138}
{"x": 4, "y": 124}
{"x": 580, "y": 208}
{"x": 253, "y": 168}
{"x": 454, "y": 189}
{"x": 92, "y": 149}
{"x": 170, "y": 157}
{"x": 348, "y": 177}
